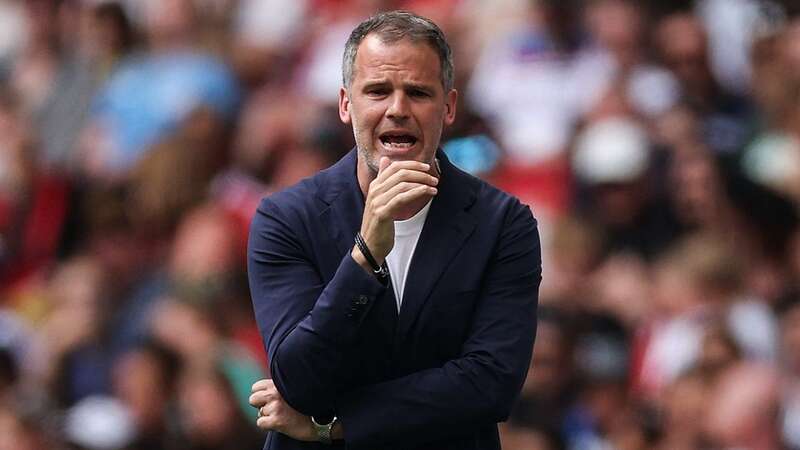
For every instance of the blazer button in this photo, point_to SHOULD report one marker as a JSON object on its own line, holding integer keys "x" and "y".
{"x": 362, "y": 300}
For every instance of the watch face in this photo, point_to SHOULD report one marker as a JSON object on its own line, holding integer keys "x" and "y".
{"x": 323, "y": 420}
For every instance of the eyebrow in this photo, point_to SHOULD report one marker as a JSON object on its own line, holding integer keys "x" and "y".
{"x": 384, "y": 83}
{"x": 374, "y": 84}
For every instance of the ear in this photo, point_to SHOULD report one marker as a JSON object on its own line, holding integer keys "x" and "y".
{"x": 344, "y": 105}
{"x": 450, "y": 107}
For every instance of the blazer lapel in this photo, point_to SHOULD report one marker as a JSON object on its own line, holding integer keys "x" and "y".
{"x": 342, "y": 219}
{"x": 446, "y": 228}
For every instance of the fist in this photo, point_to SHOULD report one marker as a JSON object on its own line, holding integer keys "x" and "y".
{"x": 275, "y": 414}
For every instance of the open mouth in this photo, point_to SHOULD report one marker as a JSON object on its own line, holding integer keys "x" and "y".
{"x": 398, "y": 140}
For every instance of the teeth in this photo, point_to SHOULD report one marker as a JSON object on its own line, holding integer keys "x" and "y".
{"x": 402, "y": 141}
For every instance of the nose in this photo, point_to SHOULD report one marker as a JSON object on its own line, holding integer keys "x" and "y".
{"x": 398, "y": 107}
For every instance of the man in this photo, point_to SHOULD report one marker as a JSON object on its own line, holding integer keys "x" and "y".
{"x": 419, "y": 336}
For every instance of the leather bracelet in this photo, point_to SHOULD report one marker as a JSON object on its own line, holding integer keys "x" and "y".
{"x": 380, "y": 270}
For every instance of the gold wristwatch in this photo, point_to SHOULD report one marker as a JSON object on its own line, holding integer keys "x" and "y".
{"x": 324, "y": 430}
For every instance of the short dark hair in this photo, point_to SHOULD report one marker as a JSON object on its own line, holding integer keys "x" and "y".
{"x": 393, "y": 26}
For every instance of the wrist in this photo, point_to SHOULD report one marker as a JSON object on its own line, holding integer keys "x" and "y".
{"x": 378, "y": 269}
{"x": 358, "y": 257}
{"x": 337, "y": 432}
{"x": 374, "y": 250}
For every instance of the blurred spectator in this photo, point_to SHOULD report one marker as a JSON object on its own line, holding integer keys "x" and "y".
{"x": 685, "y": 405}
{"x": 603, "y": 414}
{"x": 206, "y": 274}
{"x": 26, "y": 423}
{"x": 743, "y": 409}
{"x": 612, "y": 160}
{"x": 697, "y": 283}
{"x": 773, "y": 158}
{"x": 613, "y": 65}
{"x": 790, "y": 358}
{"x": 726, "y": 119}
{"x": 104, "y": 37}
{"x": 153, "y": 92}
{"x": 547, "y": 389}
{"x": 733, "y": 26}
{"x": 210, "y": 418}
{"x": 13, "y": 33}
{"x": 574, "y": 252}
{"x": 145, "y": 381}
{"x": 262, "y": 38}
{"x": 320, "y": 74}
{"x": 98, "y": 423}
{"x": 73, "y": 331}
{"x": 520, "y": 80}
{"x": 33, "y": 202}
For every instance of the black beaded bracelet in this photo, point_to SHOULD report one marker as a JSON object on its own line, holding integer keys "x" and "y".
{"x": 380, "y": 270}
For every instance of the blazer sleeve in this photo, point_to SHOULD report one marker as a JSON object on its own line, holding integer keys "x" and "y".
{"x": 305, "y": 324}
{"x": 478, "y": 387}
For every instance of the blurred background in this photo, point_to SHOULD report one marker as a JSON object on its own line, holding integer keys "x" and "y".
{"x": 657, "y": 142}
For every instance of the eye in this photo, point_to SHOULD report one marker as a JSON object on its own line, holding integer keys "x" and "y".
{"x": 377, "y": 92}
{"x": 418, "y": 93}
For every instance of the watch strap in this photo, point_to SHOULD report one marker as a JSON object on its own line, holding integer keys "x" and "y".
{"x": 324, "y": 430}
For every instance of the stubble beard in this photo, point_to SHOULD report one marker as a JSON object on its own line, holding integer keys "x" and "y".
{"x": 372, "y": 165}
{"x": 365, "y": 152}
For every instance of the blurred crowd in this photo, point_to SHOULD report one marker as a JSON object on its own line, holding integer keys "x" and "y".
{"x": 658, "y": 144}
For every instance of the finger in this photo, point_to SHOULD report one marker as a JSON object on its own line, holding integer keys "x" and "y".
{"x": 270, "y": 409}
{"x": 403, "y": 199}
{"x": 404, "y": 175}
{"x": 261, "y": 398}
{"x": 396, "y": 166}
{"x": 416, "y": 176}
{"x": 262, "y": 384}
{"x": 266, "y": 423}
{"x": 404, "y": 186}
{"x": 401, "y": 171}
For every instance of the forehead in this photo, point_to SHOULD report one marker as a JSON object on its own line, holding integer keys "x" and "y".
{"x": 414, "y": 60}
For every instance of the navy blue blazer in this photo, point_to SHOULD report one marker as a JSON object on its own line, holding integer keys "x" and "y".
{"x": 438, "y": 375}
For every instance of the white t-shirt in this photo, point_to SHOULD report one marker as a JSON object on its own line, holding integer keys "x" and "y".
{"x": 406, "y": 235}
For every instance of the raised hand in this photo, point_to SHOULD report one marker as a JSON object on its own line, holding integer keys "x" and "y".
{"x": 398, "y": 192}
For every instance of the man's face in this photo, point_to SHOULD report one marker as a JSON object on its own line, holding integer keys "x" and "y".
{"x": 396, "y": 102}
